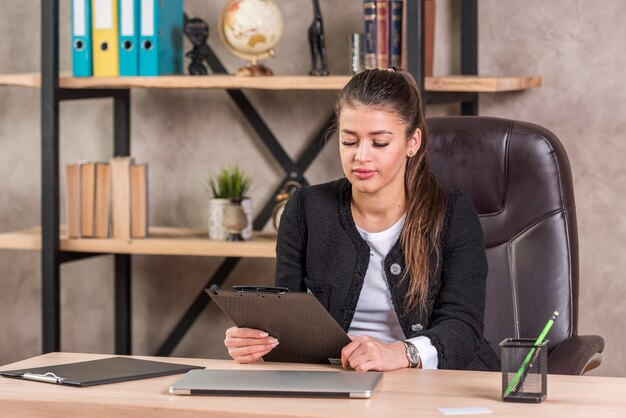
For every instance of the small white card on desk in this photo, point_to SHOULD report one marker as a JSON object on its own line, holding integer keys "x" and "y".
{"x": 465, "y": 411}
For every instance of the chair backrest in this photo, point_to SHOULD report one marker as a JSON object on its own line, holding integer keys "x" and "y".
{"x": 519, "y": 178}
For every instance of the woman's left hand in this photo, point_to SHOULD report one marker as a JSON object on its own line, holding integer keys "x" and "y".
{"x": 366, "y": 353}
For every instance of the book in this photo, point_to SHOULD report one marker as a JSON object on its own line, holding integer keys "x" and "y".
{"x": 395, "y": 33}
{"x": 369, "y": 18}
{"x": 87, "y": 199}
{"x": 429, "y": 37}
{"x": 72, "y": 195}
{"x": 139, "y": 200}
{"x": 103, "y": 199}
{"x": 382, "y": 33}
{"x": 120, "y": 197}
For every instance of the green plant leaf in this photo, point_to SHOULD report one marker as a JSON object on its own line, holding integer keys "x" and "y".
{"x": 230, "y": 183}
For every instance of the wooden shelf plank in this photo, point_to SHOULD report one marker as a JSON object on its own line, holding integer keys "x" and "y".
{"x": 280, "y": 82}
{"x": 481, "y": 84}
{"x": 27, "y": 239}
{"x": 291, "y": 82}
{"x": 162, "y": 241}
{"x": 21, "y": 80}
{"x": 212, "y": 82}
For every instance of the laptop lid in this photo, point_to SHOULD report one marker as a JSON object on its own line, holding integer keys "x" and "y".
{"x": 289, "y": 383}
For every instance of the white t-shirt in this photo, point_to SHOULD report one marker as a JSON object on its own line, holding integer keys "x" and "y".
{"x": 375, "y": 315}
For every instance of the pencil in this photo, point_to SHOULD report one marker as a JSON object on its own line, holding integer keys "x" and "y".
{"x": 539, "y": 340}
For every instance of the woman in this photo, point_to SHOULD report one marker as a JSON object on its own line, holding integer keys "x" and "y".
{"x": 396, "y": 260}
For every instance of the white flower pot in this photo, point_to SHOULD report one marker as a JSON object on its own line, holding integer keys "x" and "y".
{"x": 216, "y": 218}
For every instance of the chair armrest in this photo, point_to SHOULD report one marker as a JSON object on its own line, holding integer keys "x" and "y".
{"x": 576, "y": 355}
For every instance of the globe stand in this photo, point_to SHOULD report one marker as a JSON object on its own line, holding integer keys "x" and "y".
{"x": 254, "y": 69}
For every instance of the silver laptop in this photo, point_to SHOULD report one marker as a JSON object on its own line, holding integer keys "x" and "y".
{"x": 340, "y": 384}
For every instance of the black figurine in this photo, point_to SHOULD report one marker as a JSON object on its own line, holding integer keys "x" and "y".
{"x": 197, "y": 30}
{"x": 319, "y": 60}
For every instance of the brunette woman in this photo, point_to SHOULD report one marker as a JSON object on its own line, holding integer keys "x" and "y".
{"x": 398, "y": 261}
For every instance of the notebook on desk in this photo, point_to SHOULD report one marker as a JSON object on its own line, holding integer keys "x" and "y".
{"x": 99, "y": 372}
{"x": 284, "y": 383}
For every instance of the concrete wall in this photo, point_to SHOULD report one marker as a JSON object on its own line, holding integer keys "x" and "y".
{"x": 186, "y": 135}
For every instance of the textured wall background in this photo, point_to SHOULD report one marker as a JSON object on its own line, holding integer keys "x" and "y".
{"x": 576, "y": 45}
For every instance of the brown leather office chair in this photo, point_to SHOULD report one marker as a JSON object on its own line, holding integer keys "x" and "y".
{"x": 519, "y": 178}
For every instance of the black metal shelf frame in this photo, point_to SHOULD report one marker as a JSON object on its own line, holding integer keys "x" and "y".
{"x": 51, "y": 95}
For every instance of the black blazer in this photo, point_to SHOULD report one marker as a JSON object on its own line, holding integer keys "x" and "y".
{"x": 320, "y": 249}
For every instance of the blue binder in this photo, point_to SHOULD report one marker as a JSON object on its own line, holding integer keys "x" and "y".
{"x": 129, "y": 37}
{"x": 81, "y": 38}
{"x": 161, "y": 37}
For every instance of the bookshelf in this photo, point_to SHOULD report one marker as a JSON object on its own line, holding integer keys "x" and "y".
{"x": 56, "y": 87}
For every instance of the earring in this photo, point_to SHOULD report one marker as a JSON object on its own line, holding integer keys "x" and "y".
{"x": 410, "y": 153}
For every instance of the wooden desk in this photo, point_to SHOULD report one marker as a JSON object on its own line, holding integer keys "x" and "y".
{"x": 405, "y": 393}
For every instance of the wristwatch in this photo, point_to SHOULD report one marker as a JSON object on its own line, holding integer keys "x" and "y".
{"x": 413, "y": 355}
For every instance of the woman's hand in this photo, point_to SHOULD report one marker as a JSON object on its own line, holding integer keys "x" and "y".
{"x": 366, "y": 353}
{"x": 246, "y": 345}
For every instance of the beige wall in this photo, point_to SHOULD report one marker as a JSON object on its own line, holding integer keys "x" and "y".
{"x": 184, "y": 135}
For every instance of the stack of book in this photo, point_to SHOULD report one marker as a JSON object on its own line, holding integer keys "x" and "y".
{"x": 113, "y": 38}
{"x": 385, "y": 25}
{"x": 107, "y": 200}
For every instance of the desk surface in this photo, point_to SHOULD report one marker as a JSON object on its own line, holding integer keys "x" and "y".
{"x": 416, "y": 393}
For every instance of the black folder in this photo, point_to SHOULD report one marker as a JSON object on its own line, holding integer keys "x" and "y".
{"x": 99, "y": 372}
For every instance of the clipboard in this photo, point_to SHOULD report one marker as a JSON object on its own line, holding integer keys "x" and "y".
{"x": 306, "y": 331}
{"x": 99, "y": 372}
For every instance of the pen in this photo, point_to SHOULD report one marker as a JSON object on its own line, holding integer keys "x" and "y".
{"x": 539, "y": 340}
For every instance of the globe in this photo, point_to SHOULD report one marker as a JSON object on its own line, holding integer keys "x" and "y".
{"x": 250, "y": 29}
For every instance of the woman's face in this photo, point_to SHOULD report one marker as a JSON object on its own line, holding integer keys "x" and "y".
{"x": 373, "y": 148}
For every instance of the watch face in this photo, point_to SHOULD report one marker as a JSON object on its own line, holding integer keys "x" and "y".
{"x": 413, "y": 354}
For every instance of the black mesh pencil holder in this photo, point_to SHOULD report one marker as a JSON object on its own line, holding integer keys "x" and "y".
{"x": 524, "y": 370}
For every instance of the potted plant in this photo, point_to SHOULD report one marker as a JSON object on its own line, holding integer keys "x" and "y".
{"x": 229, "y": 186}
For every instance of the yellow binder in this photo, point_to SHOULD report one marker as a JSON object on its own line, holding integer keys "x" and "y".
{"x": 105, "y": 38}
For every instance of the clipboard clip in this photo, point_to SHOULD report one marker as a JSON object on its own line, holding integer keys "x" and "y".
{"x": 260, "y": 289}
{"x": 47, "y": 377}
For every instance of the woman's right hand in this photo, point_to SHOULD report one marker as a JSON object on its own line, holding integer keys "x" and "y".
{"x": 247, "y": 345}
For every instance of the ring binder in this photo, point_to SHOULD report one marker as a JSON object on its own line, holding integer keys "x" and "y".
{"x": 81, "y": 38}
